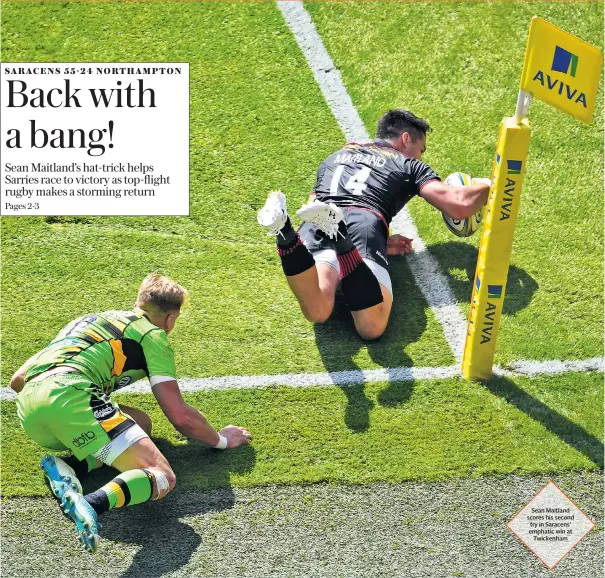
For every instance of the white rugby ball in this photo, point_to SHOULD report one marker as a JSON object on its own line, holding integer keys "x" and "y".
{"x": 462, "y": 227}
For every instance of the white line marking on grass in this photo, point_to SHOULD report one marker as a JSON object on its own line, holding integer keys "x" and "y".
{"x": 434, "y": 285}
{"x": 554, "y": 367}
{"x": 424, "y": 267}
{"x": 325, "y": 73}
{"x": 349, "y": 378}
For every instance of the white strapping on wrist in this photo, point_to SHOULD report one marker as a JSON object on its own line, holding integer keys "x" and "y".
{"x": 222, "y": 442}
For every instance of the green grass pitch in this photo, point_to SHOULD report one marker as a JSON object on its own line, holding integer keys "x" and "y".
{"x": 259, "y": 122}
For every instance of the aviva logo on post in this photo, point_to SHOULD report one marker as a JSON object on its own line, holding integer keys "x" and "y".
{"x": 487, "y": 320}
{"x": 563, "y": 61}
{"x": 514, "y": 167}
{"x": 494, "y": 291}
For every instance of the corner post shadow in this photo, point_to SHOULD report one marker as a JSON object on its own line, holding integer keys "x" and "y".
{"x": 569, "y": 432}
{"x": 452, "y": 255}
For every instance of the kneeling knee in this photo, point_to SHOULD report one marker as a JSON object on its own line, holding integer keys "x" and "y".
{"x": 371, "y": 332}
{"x": 318, "y": 317}
{"x": 317, "y": 314}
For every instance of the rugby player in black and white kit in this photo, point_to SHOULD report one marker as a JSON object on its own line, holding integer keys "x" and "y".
{"x": 345, "y": 237}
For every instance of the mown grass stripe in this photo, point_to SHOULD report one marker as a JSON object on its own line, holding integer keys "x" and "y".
{"x": 220, "y": 253}
{"x": 429, "y": 277}
{"x": 463, "y": 85}
{"x": 388, "y": 431}
{"x": 350, "y": 378}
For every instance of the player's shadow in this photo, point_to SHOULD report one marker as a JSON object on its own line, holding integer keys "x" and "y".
{"x": 166, "y": 542}
{"x": 569, "y": 432}
{"x": 459, "y": 261}
{"x": 339, "y": 345}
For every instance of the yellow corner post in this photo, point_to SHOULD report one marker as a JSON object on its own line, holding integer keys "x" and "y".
{"x": 494, "y": 252}
{"x": 562, "y": 71}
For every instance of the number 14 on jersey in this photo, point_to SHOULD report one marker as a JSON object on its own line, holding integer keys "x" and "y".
{"x": 356, "y": 185}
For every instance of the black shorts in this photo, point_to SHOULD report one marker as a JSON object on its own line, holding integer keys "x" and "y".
{"x": 367, "y": 230}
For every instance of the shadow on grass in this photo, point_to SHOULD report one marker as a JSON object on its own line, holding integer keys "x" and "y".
{"x": 338, "y": 344}
{"x": 166, "y": 542}
{"x": 569, "y": 432}
{"x": 456, "y": 255}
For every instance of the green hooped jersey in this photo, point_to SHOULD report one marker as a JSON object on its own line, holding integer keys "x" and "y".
{"x": 111, "y": 349}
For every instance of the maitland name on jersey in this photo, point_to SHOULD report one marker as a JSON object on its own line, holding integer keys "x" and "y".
{"x": 372, "y": 175}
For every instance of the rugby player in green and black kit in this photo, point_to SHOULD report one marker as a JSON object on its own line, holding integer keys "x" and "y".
{"x": 64, "y": 403}
{"x": 345, "y": 237}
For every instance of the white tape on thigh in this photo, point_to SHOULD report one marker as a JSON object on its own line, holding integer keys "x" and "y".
{"x": 327, "y": 256}
{"x": 118, "y": 445}
{"x": 381, "y": 274}
{"x": 161, "y": 482}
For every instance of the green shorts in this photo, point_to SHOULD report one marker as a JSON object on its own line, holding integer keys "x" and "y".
{"x": 66, "y": 412}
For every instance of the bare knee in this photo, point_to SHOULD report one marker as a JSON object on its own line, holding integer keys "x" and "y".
{"x": 371, "y": 323}
{"x": 370, "y": 332}
{"x": 144, "y": 454}
{"x": 318, "y": 313}
{"x": 170, "y": 477}
{"x": 371, "y": 328}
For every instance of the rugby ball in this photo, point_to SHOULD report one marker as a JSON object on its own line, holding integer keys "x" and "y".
{"x": 465, "y": 227}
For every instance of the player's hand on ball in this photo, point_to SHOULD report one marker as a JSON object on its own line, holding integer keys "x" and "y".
{"x": 236, "y": 436}
{"x": 398, "y": 245}
{"x": 481, "y": 181}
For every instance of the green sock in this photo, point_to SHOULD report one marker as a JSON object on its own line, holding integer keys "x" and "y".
{"x": 127, "y": 489}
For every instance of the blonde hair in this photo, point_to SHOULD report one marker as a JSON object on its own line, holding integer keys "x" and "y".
{"x": 158, "y": 293}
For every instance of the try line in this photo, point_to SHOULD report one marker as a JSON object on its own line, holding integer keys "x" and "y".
{"x": 356, "y": 377}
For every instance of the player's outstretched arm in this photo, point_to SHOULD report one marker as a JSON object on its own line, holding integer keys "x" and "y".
{"x": 191, "y": 422}
{"x": 456, "y": 202}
